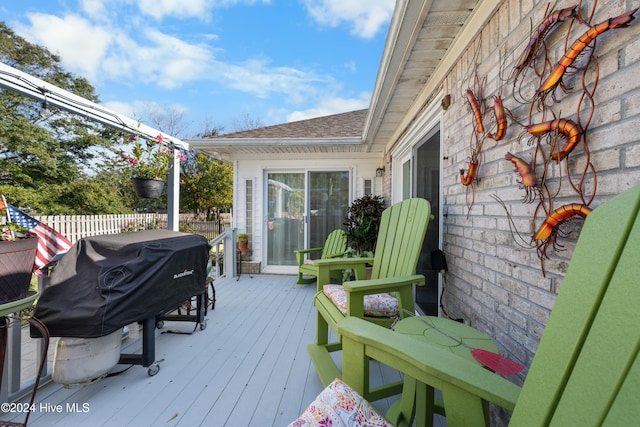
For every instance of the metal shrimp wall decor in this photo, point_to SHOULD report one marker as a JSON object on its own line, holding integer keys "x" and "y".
{"x": 528, "y": 177}
{"x": 482, "y": 123}
{"x": 476, "y": 103}
{"x": 558, "y": 140}
{"x": 585, "y": 41}
{"x": 501, "y": 119}
{"x": 537, "y": 43}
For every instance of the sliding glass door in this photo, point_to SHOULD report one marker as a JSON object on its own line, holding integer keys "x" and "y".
{"x": 427, "y": 186}
{"x": 328, "y": 203}
{"x": 303, "y": 208}
{"x": 285, "y": 222}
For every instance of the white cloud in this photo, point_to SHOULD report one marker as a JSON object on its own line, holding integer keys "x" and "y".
{"x": 332, "y": 105}
{"x": 93, "y": 8}
{"x": 173, "y": 61}
{"x": 139, "y": 109}
{"x": 366, "y": 18}
{"x": 124, "y": 108}
{"x": 97, "y": 52}
{"x": 351, "y": 66}
{"x": 81, "y": 45}
{"x": 177, "y": 8}
{"x": 201, "y": 9}
{"x": 98, "y": 46}
{"x": 255, "y": 76}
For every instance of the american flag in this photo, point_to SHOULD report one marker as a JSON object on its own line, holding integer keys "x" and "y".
{"x": 50, "y": 242}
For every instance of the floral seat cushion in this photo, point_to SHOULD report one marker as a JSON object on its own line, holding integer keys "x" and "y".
{"x": 339, "y": 405}
{"x": 379, "y": 305}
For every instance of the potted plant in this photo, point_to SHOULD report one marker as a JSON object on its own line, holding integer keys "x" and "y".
{"x": 362, "y": 223}
{"x": 243, "y": 242}
{"x": 150, "y": 161}
{"x": 217, "y": 259}
{"x": 17, "y": 254}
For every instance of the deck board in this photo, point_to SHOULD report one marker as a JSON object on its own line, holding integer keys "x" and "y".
{"x": 248, "y": 367}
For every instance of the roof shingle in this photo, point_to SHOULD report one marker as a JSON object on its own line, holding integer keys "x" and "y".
{"x": 350, "y": 124}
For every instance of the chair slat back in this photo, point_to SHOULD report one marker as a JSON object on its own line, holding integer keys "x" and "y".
{"x": 586, "y": 369}
{"x": 336, "y": 244}
{"x": 400, "y": 237}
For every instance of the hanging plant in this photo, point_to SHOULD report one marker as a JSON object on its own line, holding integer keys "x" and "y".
{"x": 149, "y": 161}
{"x": 150, "y": 158}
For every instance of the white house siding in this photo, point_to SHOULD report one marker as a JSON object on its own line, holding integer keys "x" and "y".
{"x": 361, "y": 166}
{"x": 492, "y": 283}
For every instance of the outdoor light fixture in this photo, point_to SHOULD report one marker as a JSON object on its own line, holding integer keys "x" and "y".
{"x": 380, "y": 171}
{"x": 446, "y": 102}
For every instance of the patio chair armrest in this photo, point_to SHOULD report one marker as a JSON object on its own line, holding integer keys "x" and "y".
{"x": 307, "y": 251}
{"x": 464, "y": 384}
{"x": 341, "y": 263}
{"x": 338, "y": 255}
{"x": 327, "y": 265}
{"x": 300, "y": 253}
{"x": 389, "y": 284}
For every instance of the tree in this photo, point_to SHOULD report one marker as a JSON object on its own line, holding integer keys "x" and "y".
{"x": 209, "y": 130}
{"x": 53, "y": 161}
{"x": 42, "y": 146}
{"x": 206, "y": 186}
{"x": 169, "y": 120}
{"x": 113, "y": 174}
{"x": 246, "y": 122}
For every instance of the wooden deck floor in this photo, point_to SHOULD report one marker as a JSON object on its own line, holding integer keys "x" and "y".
{"x": 248, "y": 367}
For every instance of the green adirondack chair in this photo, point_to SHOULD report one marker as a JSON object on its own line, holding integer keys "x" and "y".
{"x": 398, "y": 247}
{"x": 586, "y": 370}
{"x": 334, "y": 246}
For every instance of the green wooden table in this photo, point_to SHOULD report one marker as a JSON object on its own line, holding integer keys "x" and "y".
{"x": 453, "y": 336}
{"x": 450, "y": 335}
{"x": 6, "y": 310}
{"x": 19, "y": 305}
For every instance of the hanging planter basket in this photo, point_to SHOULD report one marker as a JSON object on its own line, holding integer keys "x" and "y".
{"x": 16, "y": 265}
{"x": 148, "y": 188}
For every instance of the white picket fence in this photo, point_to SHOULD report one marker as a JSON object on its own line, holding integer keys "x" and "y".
{"x": 75, "y": 227}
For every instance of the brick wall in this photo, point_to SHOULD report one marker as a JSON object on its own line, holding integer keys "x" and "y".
{"x": 495, "y": 282}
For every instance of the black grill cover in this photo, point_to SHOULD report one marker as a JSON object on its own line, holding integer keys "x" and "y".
{"x": 106, "y": 282}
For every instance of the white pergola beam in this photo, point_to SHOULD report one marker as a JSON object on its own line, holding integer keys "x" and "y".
{"x": 20, "y": 82}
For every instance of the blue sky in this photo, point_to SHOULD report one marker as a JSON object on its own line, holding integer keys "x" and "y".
{"x": 218, "y": 62}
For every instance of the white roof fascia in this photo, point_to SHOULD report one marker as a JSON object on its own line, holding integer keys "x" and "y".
{"x": 404, "y": 28}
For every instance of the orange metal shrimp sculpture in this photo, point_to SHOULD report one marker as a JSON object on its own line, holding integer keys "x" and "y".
{"x": 529, "y": 180}
{"x": 471, "y": 173}
{"x": 578, "y": 47}
{"x": 501, "y": 119}
{"x": 476, "y": 109}
{"x": 537, "y": 38}
{"x": 572, "y": 132}
{"x": 558, "y": 217}
{"x": 547, "y": 234}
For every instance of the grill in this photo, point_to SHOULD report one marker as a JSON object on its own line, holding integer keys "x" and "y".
{"x": 104, "y": 283}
